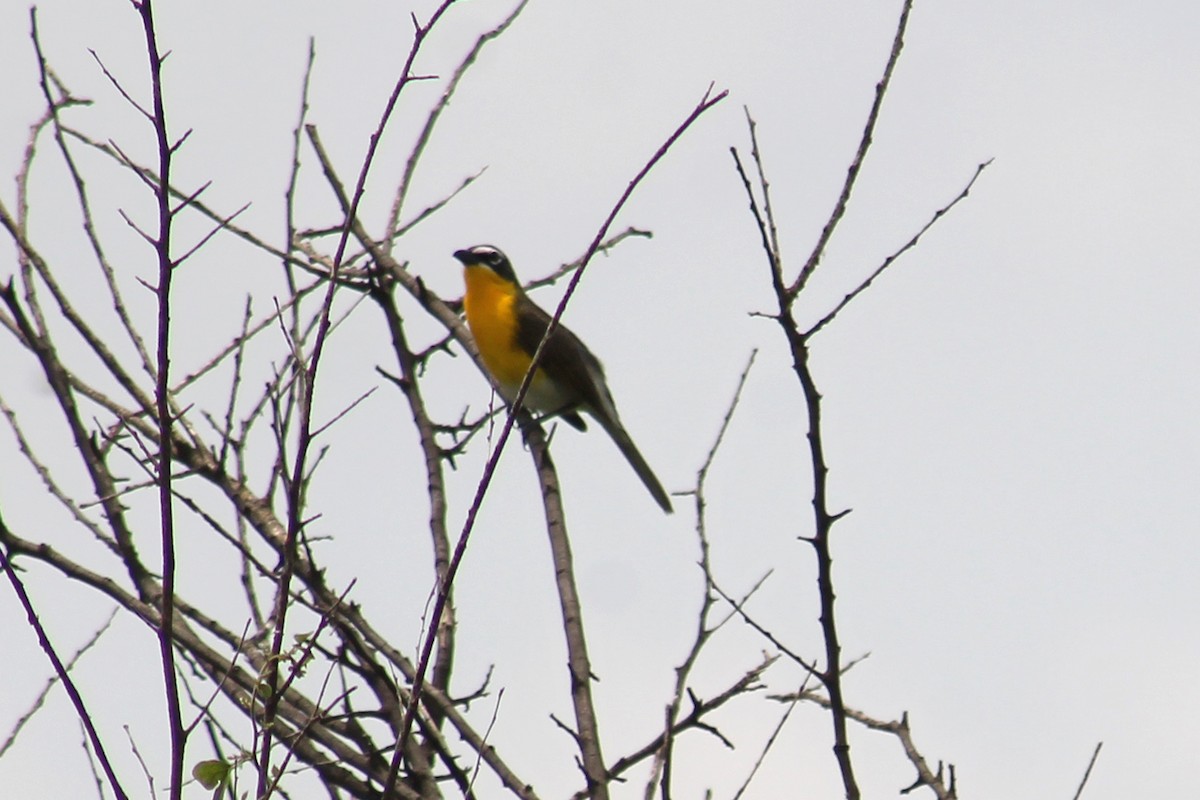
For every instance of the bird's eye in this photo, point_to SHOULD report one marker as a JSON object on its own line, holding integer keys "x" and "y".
{"x": 494, "y": 258}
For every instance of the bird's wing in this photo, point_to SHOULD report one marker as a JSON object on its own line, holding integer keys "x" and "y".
{"x": 578, "y": 372}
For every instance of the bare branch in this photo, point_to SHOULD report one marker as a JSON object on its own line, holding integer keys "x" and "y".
{"x": 942, "y": 787}
{"x": 394, "y": 230}
{"x": 50, "y": 684}
{"x": 61, "y": 384}
{"x": 762, "y": 756}
{"x": 59, "y": 668}
{"x": 121, "y": 89}
{"x": 47, "y": 76}
{"x": 887, "y": 262}
{"x": 738, "y": 607}
{"x": 749, "y": 682}
{"x": 587, "y": 732}
{"x": 149, "y": 177}
{"x": 1088, "y": 772}
{"x": 764, "y": 184}
{"x": 605, "y": 246}
{"x": 52, "y": 486}
{"x": 864, "y": 144}
{"x": 661, "y": 770}
{"x": 162, "y": 246}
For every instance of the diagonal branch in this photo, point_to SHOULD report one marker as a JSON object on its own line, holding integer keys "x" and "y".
{"x": 1087, "y": 773}
{"x": 394, "y": 229}
{"x": 864, "y": 144}
{"x": 887, "y": 262}
{"x": 660, "y": 772}
{"x": 68, "y": 684}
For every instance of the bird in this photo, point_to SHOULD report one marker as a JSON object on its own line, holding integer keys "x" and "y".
{"x": 508, "y": 326}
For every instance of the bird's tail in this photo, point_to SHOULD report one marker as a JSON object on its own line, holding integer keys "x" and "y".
{"x": 613, "y": 425}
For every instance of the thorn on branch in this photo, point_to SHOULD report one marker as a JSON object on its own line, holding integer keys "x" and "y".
{"x": 149, "y": 239}
{"x": 399, "y": 381}
{"x": 442, "y": 346}
{"x": 570, "y": 731}
{"x": 479, "y": 693}
{"x": 704, "y": 726}
{"x": 187, "y": 201}
{"x": 179, "y": 142}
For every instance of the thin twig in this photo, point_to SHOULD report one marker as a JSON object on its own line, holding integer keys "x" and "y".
{"x": 605, "y": 246}
{"x": 137, "y": 754}
{"x": 887, "y": 262}
{"x": 304, "y": 437}
{"x": 943, "y": 787}
{"x": 660, "y": 772}
{"x": 85, "y": 718}
{"x": 487, "y": 732}
{"x": 864, "y": 144}
{"x": 749, "y": 682}
{"x": 1088, "y": 772}
{"x": 289, "y": 195}
{"x": 394, "y": 229}
{"x": 762, "y": 756}
{"x": 50, "y": 684}
{"x": 764, "y": 184}
{"x": 52, "y": 486}
{"x": 739, "y": 608}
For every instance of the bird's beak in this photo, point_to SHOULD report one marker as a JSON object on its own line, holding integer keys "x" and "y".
{"x": 465, "y": 256}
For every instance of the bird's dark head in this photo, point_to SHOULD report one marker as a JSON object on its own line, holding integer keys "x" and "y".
{"x": 487, "y": 257}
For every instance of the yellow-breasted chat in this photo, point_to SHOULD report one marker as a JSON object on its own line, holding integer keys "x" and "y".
{"x": 508, "y": 326}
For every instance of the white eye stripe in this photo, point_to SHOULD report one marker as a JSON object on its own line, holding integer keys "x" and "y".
{"x": 489, "y": 254}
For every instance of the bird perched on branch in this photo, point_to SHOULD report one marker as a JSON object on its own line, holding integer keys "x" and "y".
{"x": 508, "y": 327}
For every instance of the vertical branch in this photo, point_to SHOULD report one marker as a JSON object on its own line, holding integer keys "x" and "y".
{"x": 489, "y": 470}
{"x": 660, "y": 772}
{"x": 831, "y": 675}
{"x": 162, "y": 245}
{"x": 294, "y": 334}
{"x": 289, "y": 196}
{"x": 587, "y": 729}
{"x": 798, "y": 345}
{"x": 409, "y": 383}
{"x": 307, "y": 389}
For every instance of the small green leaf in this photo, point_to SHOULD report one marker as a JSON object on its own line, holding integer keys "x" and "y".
{"x": 211, "y": 774}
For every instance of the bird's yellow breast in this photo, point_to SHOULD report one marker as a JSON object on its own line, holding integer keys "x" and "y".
{"x": 491, "y": 307}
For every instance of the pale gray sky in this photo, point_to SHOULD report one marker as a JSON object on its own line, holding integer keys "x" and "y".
{"x": 1010, "y": 411}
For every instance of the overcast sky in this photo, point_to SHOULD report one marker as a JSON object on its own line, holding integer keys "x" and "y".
{"x": 1011, "y": 411}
